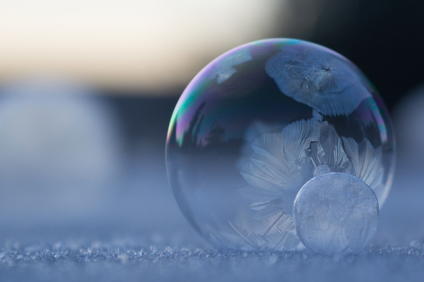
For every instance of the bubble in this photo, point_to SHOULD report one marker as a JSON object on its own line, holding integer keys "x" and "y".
{"x": 336, "y": 213}
{"x": 256, "y": 124}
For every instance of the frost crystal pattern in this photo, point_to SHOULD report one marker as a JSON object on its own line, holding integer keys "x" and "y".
{"x": 324, "y": 81}
{"x": 336, "y": 214}
{"x": 283, "y": 162}
{"x": 225, "y": 68}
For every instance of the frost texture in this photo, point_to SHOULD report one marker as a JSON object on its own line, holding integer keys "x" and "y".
{"x": 224, "y": 69}
{"x": 329, "y": 149}
{"x": 108, "y": 262}
{"x": 280, "y": 157}
{"x": 336, "y": 213}
{"x": 367, "y": 163}
{"x": 322, "y": 80}
{"x": 278, "y": 229}
{"x": 321, "y": 169}
{"x": 282, "y": 162}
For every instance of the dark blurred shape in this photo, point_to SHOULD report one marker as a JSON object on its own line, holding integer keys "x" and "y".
{"x": 142, "y": 119}
{"x": 317, "y": 19}
{"x": 408, "y": 119}
{"x": 384, "y": 38}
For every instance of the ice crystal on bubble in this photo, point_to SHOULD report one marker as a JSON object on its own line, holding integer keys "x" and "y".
{"x": 336, "y": 214}
{"x": 259, "y": 122}
{"x": 366, "y": 162}
{"x": 324, "y": 81}
{"x": 225, "y": 69}
{"x": 280, "y": 156}
{"x": 285, "y": 161}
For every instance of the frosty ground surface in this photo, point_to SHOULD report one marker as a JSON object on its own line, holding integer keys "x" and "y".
{"x": 139, "y": 234}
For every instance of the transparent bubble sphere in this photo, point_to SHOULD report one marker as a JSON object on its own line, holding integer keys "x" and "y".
{"x": 257, "y": 123}
{"x": 336, "y": 214}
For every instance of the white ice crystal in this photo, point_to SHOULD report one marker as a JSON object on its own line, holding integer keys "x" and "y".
{"x": 322, "y": 80}
{"x": 282, "y": 163}
{"x": 224, "y": 70}
{"x": 367, "y": 163}
{"x": 336, "y": 213}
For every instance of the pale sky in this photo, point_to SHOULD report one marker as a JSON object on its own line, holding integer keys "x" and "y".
{"x": 144, "y": 45}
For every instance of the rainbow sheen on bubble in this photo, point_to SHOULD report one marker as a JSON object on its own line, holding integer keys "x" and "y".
{"x": 257, "y": 123}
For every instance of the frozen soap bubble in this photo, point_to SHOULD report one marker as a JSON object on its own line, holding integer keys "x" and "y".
{"x": 257, "y": 123}
{"x": 336, "y": 214}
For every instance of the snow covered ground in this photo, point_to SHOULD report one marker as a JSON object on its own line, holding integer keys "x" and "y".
{"x": 140, "y": 235}
{"x": 134, "y": 231}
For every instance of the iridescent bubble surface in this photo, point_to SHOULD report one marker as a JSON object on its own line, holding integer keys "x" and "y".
{"x": 257, "y": 123}
{"x": 336, "y": 214}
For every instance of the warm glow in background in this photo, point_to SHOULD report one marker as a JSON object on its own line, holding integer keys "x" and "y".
{"x": 139, "y": 45}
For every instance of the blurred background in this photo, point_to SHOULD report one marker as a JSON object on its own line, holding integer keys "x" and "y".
{"x": 87, "y": 89}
